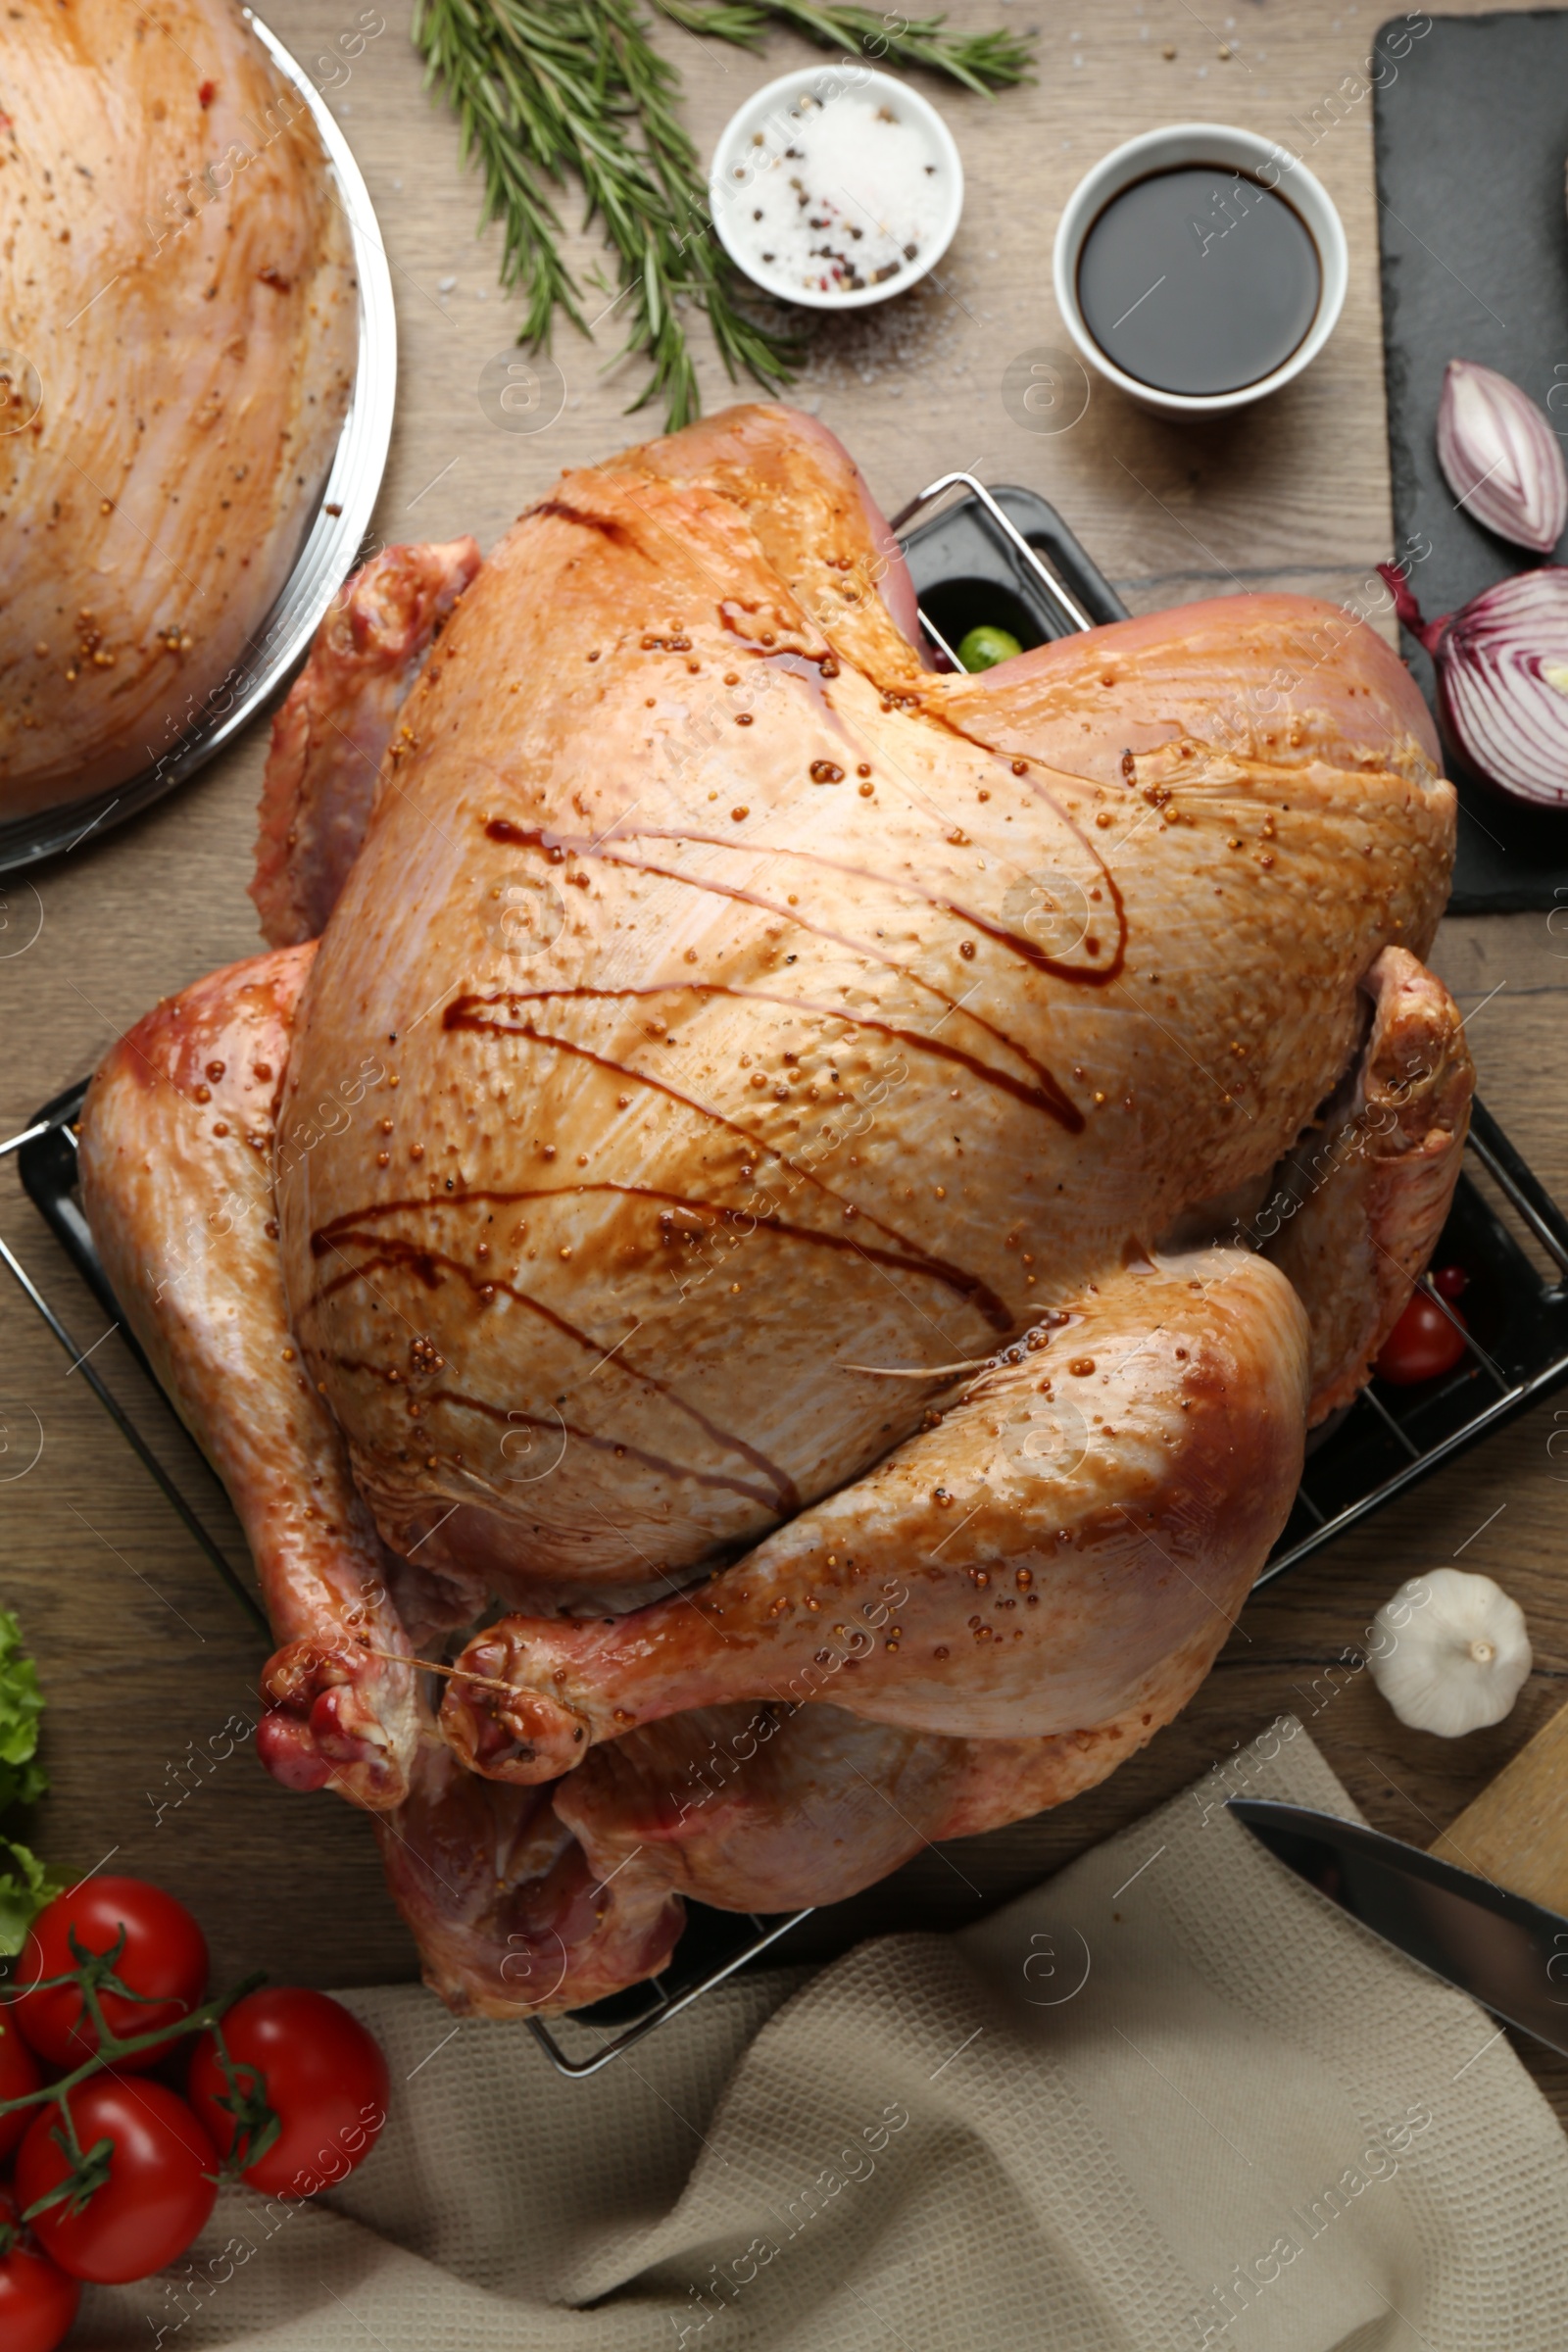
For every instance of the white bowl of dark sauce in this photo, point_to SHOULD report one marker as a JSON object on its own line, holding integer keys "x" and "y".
{"x": 1200, "y": 268}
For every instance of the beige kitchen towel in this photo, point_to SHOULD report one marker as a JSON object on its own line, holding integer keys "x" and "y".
{"x": 1172, "y": 2098}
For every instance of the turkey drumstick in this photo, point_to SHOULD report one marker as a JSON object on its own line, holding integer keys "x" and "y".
{"x": 179, "y": 1161}
{"x": 1070, "y": 1543}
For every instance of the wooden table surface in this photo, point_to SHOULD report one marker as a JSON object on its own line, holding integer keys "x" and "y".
{"x": 147, "y": 1662}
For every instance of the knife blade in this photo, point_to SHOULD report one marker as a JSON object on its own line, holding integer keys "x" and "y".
{"x": 1509, "y": 1953}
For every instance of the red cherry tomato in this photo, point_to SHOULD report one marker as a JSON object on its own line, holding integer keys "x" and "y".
{"x": 19, "y": 2074}
{"x": 1450, "y": 1282}
{"x": 322, "y": 2075}
{"x": 37, "y": 2301}
{"x": 165, "y": 1955}
{"x": 157, "y": 2195}
{"x": 1422, "y": 1344}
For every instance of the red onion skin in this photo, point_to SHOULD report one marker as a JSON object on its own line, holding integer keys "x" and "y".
{"x": 1428, "y": 633}
{"x": 1435, "y": 636}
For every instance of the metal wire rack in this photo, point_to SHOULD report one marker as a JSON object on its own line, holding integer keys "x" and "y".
{"x": 1516, "y": 1333}
{"x": 1005, "y": 545}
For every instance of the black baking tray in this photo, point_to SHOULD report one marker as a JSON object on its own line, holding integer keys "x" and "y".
{"x": 1470, "y": 136}
{"x": 966, "y": 572}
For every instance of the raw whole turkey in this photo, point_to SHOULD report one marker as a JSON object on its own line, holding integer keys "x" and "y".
{"x": 780, "y": 1215}
{"x": 180, "y": 322}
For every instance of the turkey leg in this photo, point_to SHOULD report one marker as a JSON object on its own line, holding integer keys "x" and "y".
{"x": 1083, "y": 1525}
{"x": 177, "y": 1151}
{"x": 1357, "y": 1208}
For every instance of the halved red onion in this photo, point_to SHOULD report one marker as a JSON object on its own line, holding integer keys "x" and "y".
{"x": 1502, "y": 460}
{"x": 1503, "y": 679}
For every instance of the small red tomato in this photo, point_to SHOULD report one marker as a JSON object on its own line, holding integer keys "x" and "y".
{"x": 322, "y": 2074}
{"x": 19, "y": 2074}
{"x": 1450, "y": 1282}
{"x": 164, "y": 1955}
{"x": 1422, "y": 1344}
{"x": 37, "y": 2301}
{"x": 156, "y": 2197}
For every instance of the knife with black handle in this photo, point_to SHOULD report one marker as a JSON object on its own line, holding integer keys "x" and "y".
{"x": 1484, "y": 1909}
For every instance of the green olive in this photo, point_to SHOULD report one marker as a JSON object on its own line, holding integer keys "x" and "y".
{"x": 982, "y": 648}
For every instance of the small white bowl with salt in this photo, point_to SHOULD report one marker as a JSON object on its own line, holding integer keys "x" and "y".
{"x": 836, "y": 187}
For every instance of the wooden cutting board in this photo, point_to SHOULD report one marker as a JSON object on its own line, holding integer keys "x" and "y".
{"x": 1471, "y": 132}
{"x": 1516, "y": 1831}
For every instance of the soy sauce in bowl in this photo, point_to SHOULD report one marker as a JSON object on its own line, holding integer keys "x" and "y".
{"x": 1199, "y": 279}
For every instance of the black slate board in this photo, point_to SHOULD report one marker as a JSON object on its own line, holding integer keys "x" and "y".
{"x": 1471, "y": 137}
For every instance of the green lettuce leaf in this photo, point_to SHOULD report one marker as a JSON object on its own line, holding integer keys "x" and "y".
{"x": 22, "y": 1779}
{"x": 25, "y": 1885}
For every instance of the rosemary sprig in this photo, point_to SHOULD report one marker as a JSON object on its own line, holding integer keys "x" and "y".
{"x": 981, "y": 60}
{"x": 547, "y": 89}
{"x": 498, "y": 87}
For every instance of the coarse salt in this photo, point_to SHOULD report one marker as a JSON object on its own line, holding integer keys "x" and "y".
{"x": 846, "y": 194}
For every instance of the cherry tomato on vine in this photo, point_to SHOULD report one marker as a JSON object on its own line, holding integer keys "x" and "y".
{"x": 164, "y": 1955}
{"x": 152, "y": 2192}
{"x": 37, "y": 2301}
{"x": 19, "y": 2074}
{"x": 1422, "y": 1344}
{"x": 321, "y": 2072}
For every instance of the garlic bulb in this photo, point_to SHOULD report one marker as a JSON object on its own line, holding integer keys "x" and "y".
{"x": 1502, "y": 460}
{"x": 1451, "y": 1653}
